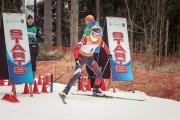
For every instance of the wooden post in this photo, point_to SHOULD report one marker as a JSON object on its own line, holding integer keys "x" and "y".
{"x": 14, "y": 89}
{"x": 109, "y": 83}
{"x": 114, "y": 88}
{"x": 132, "y": 87}
{"x": 110, "y": 80}
{"x": 30, "y": 87}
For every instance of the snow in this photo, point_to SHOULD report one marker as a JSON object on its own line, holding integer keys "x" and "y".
{"x": 48, "y": 106}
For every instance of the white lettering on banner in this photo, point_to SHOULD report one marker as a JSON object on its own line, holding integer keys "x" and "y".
{"x": 119, "y": 51}
{"x": 18, "y": 51}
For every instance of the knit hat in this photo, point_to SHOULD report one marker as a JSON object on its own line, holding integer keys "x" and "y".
{"x": 29, "y": 16}
{"x": 89, "y": 18}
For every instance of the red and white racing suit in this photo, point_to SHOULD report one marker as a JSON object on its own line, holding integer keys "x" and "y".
{"x": 83, "y": 51}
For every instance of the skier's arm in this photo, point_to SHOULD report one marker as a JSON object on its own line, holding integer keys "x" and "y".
{"x": 78, "y": 46}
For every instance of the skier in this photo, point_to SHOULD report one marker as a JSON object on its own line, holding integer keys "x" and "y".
{"x": 83, "y": 54}
{"x": 34, "y": 37}
{"x": 90, "y": 22}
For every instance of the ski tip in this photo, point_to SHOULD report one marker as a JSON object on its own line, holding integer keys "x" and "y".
{"x": 63, "y": 99}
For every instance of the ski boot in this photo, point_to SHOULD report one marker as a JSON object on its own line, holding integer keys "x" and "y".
{"x": 64, "y": 93}
{"x": 97, "y": 92}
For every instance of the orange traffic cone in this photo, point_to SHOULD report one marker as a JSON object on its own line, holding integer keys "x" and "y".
{"x": 88, "y": 87}
{"x": 6, "y": 97}
{"x": 9, "y": 83}
{"x": 1, "y": 82}
{"x": 47, "y": 79}
{"x": 13, "y": 99}
{"x": 44, "y": 89}
{"x": 81, "y": 87}
{"x": 103, "y": 86}
{"x": 39, "y": 80}
{"x": 26, "y": 89}
{"x": 35, "y": 89}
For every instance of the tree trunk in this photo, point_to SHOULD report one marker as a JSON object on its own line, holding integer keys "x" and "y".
{"x": 135, "y": 45}
{"x": 177, "y": 43}
{"x": 97, "y": 11}
{"x": 2, "y": 6}
{"x": 58, "y": 23}
{"x": 35, "y": 11}
{"x": 146, "y": 40}
{"x": 160, "y": 45}
{"x": 130, "y": 19}
{"x": 132, "y": 43}
{"x": 48, "y": 24}
{"x": 74, "y": 23}
{"x": 167, "y": 38}
{"x": 23, "y": 6}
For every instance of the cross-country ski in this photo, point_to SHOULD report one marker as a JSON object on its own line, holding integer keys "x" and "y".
{"x": 63, "y": 98}
{"x": 108, "y": 96}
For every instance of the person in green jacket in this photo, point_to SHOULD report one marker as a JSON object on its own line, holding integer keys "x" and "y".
{"x": 34, "y": 37}
{"x": 90, "y": 22}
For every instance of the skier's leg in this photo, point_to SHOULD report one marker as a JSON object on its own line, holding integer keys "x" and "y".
{"x": 91, "y": 76}
{"x": 92, "y": 64}
{"x": 95, "y": 68}
{"x": 33, "y": 62}
{"x": 76, "y": 75}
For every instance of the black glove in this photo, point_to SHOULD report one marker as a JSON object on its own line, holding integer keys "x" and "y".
{"x": 109, "y": 56}
{"x": 77, "y": 62}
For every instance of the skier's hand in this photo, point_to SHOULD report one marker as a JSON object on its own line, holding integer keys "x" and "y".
{"x": 32, "y": 39}
{"x": 109, "y": 56}
{"x": 77, "y": 62}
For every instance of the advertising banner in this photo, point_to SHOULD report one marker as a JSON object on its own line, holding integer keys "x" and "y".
{"x": 121, "y": 65}
{"x": 17, "y": 48}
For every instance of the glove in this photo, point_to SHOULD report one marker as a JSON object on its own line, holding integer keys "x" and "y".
{"x": 32, "y": 39}
{"x": 109, "y": 56}
{"x": 77, "y": 62}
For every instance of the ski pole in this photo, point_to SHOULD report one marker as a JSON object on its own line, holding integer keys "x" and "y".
{"x": 105, "y": 66}
{"x": 103, "y": 69}
{"x": 61, "y": 75}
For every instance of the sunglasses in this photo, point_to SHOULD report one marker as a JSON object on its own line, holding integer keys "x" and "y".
{"x": 96, "y": 30}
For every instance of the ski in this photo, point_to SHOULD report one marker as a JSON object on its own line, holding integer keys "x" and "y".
{"x": 108, "y": 96}
{"x": 63, "y": 98}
